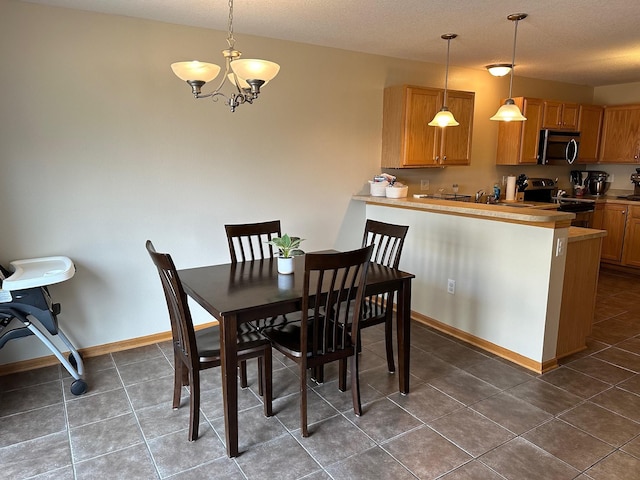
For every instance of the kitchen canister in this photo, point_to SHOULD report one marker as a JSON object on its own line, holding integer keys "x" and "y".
{"x": 378, "y": 189}
{"x": 397, "y": 191}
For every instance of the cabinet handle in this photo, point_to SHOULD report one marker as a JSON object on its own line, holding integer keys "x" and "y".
{"x": 444, "y": 159}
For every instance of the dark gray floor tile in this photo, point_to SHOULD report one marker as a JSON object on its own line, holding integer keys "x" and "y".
{"x": 575, "y": 382}
{"x": 621, "y": 358}
{"x": 633, "y": 447}
{"x": 632, "y": 385}
{"x": 618, "y": 466}
{"x": 25, "y": 426}
{"x": 97, "y": 381}
{"x": 519, "y": 459}
{"x": 474, "y": 470}
{"x": 253, "y": 428}
{"x": 162, "y": 419}
{"x": 132, "y": 462}
{"x": 211, "y": 402}
{"x": 497, "y": 373}
{"x": 426, "y": 402}
{"x": 342, "y": 401}
{"x": 602, "y": 423}
{"x": 93, "y": 408}
{"x": 426, "y": 453}
{"x": 578, "y": 449}
{"x": 34, "y": 457}
{"x": 333, "y": 440}
{"x": 631, "y": 345}
{"x": 29, "y": 378}
{"x": 471, "y": 431}
{"x": 396, "y": 420}
{"x": 427, "y": 367}
{"x": 287, "y": 409}
{"x": 64, "y": 473}
{"x": 137, "y": 354}
{"x": 381, "y": 380}
{"x": 512, "y": 413}
{"x": 153, "y": 392}
{"x": 459, "y": 355}
{"x": 145, "y": 370}
{"x": 282, "y": 458}
{"x": 105, "y": 436}
{"x": 545, "y": 396}
{"x": 29, "y": 398}
{"x": 173, "y": 453}
{"x": 221, "y": 469}
{"x": 93, "y": 365}
{"x": 373, "y": 464}
{"x": 620, "y": 401}
{"x": 464, "y": 387}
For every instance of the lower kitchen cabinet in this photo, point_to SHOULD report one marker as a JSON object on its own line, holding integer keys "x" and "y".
{"x": 621, "y": 246}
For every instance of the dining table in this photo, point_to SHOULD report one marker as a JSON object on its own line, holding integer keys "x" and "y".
{"x": 236, "y": 293}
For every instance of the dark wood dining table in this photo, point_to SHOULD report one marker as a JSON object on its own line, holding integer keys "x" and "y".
{"x": 236, "y": 293}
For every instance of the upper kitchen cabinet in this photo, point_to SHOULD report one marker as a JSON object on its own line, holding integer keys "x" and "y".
{"x": 620, "y": 141}
{"x": 518, "y": 141}
{"x": 589, "y": 126}
{"x": 407, "y": 139}
{"x": 558, "y": 115}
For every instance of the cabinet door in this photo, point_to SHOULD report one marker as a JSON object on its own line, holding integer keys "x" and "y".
{"x": 456, "y": 141}
{"x": 570, "y": 113}
{"x": 632, "y": 238}
{"x": 621, "y": 135}
{"x": 613, "y": 221}
{"x": 421, "y": 141}
{"x": 552, "y": 117}
{"x": 589, "y": 126}
{"x": 518, "y": 141}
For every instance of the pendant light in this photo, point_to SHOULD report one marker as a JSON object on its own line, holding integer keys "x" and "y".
{"x": 510, "y": 111}
{"x": 499, "y": 69}
{"x": 246, "y": 75}
{"x": 444, "y": 118}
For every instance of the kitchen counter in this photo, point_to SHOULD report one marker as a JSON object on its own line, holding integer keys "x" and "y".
{"x": 547, "y": 216}
{"x": 507, "y": 265}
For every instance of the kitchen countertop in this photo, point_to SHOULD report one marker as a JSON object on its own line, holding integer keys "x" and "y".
{"x": 533, "y": 216}
{"x": 577, "y": 234}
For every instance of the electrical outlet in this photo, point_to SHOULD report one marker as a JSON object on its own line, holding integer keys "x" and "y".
{"x": 424, "y": 184}
{"x": 451, "y": 286}
{"x": 560, "y": 247}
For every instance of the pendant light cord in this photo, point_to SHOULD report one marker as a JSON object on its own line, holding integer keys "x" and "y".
{"x": 513, "y": 58}
{"x": 446, "y": 74}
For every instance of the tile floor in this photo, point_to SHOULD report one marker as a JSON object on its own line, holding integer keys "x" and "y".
{"x": 469, "y": 415}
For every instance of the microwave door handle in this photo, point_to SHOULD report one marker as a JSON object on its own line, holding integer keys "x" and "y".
{"x": 573, "y": 157}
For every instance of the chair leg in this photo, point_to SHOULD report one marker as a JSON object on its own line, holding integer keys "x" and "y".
{"x": 388, "y": 339}
{"x": 355, "y": 385}
{"x": 303, "y": 400}
{"x": 342, "y": 374}
{"x": 194, "y": 403}
{"x": 243, "y": 374}
{"x": 177, "y": 381}
{"x": 317, "y": 374}
{"x": 266, "y": 384}
{"x": 260, "y": 377}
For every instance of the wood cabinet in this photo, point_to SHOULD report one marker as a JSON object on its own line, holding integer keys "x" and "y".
{"x": 614, "y": 218}
{"x": 518, "y": 141}
{"x": 620, "y": 142}
{"x": 407, "y": 139}
{"x": 631, "y": 250}
{"x": 589, "y": 126}
{"x": 558, "y": 115}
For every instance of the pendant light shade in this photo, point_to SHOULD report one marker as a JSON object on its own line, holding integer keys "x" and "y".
{"x": 499, "y": 69}
{"x": 444, "y": 118}
{"x": 509, "y": 112}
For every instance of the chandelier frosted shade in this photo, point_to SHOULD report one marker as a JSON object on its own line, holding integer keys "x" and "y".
{"x": 444, "y": 118}
{"x": 255, "y": 69}
{"x": 499, "y": 69}
{"x": 195, "y": 71}
{"x": 509, "y": 112}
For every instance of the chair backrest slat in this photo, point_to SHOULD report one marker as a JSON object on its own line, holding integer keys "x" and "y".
{"x": 248, "y": 241}
{"x": 388, "y": 241}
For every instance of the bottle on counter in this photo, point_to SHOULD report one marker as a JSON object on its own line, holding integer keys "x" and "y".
{"x": 496, "y": 192}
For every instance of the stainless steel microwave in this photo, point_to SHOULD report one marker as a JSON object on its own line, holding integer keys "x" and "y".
{"x": 557, "y": 147}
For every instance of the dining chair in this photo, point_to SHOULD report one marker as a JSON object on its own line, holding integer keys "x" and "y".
{"x": 247, "y": 242}
{"x": 194, "y": 351}
{"x": 387, "y": 240}
{"x": 333, "y": 293}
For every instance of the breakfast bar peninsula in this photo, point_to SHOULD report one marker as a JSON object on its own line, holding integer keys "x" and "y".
{"x": 518, "y": 282}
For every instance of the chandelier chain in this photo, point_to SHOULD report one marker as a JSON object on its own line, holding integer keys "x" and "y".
{"x": 230, "y": 40}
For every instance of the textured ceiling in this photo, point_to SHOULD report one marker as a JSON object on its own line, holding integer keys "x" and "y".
{"x": 586, "y": 42}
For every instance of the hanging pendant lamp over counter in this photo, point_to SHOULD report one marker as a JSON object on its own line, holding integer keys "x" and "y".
{"x": 444, "y": 118}
{"x": 509, "y": 111}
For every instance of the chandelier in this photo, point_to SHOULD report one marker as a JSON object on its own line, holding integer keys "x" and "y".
{"x": 444, "y": 118}
{"x": 510, "y": 111}
{"x": 246, "y": 75}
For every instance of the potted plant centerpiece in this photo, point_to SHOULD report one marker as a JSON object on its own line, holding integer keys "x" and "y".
{"x": 288, "y": 247}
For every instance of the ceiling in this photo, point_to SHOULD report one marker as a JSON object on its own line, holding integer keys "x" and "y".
{"x": 585, "y": 42}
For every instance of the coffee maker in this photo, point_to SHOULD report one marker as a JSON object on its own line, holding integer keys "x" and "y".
{"x": 579, "y": 182}
{"x": 635, "y": 179}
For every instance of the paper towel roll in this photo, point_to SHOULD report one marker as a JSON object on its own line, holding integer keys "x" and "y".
{"x": 511, "y": 188}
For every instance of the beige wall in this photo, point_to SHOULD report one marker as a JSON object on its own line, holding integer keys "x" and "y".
{"x": 102, "y": 148}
